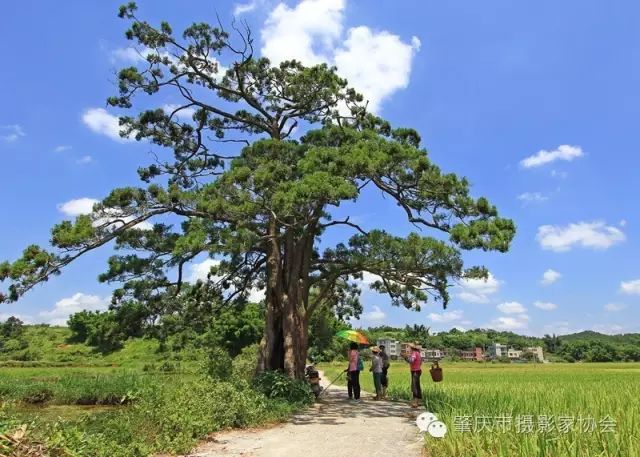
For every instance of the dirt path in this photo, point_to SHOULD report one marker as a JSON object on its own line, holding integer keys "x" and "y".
{"x": 333, "y": 427}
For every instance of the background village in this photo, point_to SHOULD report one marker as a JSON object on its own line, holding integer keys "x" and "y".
{"x": 496, "y": 351}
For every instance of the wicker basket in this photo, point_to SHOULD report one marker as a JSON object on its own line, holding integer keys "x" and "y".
{"x": 436, "y": 372}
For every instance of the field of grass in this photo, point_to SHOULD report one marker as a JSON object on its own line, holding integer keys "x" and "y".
{"x": 73, "y": 401}
{"x": 532, "y": 410}
{"x": 140, "y": 401}
{"x": 73, "y": 412}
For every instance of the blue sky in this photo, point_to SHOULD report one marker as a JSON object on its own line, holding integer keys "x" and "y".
{"x": 536, "y": 103}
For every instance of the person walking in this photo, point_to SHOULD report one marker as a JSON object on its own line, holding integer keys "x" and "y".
{"x": 384, "y": 381}
{"x": 353, "y": 371}
{"x": 414, "y": 359}
{"x": 376, "y": 369}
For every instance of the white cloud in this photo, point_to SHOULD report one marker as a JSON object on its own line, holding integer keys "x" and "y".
{"x": 595, "y": 235}
{"x": 77, "y": 206}
{"x": 549, "y": 277}
{"x": 546, "y": 306}
{"x": 293, "y": 33}
{"x": 478, "y": 290}
{"x": 511, "y": 307}
{"x": 446, "y": 316}
{"x": 563, "y": 152}
{"x": 62, "y": 148}
{"x": 376, "y": 315}
{"x": 241, "y": 8}
{"x": 623, "y": 223}
{"x": 11, "y": 133}
{"x": 76, "y": 303}
{"x": 614, "y": 307}
{"x": 199, "y": 271}
{"x": 80, "y": 206}
{"x": 630, "y": 287}
{"x": 376, "y": 63}
{"x": 102, "y": 122}
{"x": 505, "y": 323}
{"x": 532, "y": 197}
{"x": 84, "y": 160}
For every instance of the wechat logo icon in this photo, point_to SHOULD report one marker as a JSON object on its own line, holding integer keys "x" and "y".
{"x": 428, "y": 422}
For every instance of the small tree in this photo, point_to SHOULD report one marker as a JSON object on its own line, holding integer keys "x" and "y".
{"x": 265, "y": 210}
{"x": 12, "y": 327}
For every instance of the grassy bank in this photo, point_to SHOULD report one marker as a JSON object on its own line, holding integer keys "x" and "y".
{"x": 487, "y": 408}
{"x": 64, "y": 399}
{"x": 161, "y": 414}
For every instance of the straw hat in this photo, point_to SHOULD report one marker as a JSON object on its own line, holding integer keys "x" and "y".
{"x": 375, "y": 349}
{"x": 415, "y": 345}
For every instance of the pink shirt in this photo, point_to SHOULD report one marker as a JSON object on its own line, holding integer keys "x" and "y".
{"x": 415, "y": 361}
{"x": 353, "y": 360}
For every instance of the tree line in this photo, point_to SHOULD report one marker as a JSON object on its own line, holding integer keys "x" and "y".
{"x": 234, "y": 329}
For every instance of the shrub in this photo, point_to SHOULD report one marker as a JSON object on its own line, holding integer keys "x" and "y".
{"x": 13, "y": 345}
{"x": 28, "y": 355}
{"x": 275, "y": 384}
{"x": 244, "y": 364}
{"x": 217, "y": 364}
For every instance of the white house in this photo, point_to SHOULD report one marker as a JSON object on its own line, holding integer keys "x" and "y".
{"x": 514, "y": 353}
{"x": 432, "y": 354}
{"x": 497, "y": 350}
{"x": 536, "y": 351}
{"x": 391, "y": 347}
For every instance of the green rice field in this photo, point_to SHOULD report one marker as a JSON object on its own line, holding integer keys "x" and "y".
{"x": 532, "y": 410}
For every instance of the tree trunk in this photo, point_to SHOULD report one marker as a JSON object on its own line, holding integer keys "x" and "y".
{"x": 285, "y": 341}
{"x": 271, "y": 355}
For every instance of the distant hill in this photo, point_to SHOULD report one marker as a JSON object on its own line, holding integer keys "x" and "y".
{"x": 589, "y": 335}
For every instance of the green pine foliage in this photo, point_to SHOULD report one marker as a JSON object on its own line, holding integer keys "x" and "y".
{"x": 240, "y": 187}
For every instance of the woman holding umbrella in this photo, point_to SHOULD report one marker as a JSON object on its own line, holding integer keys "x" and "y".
{"x": 354, "y": 369}
{"x": 356, "y": 364}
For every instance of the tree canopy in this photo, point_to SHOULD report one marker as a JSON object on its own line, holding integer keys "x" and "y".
{"x": 240, "y": 187}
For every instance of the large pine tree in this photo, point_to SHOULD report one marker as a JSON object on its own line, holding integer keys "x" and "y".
{"x": 264, "y": 209}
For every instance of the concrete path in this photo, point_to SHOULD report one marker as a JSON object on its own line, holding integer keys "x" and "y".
{"x": 333, "y": 427}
